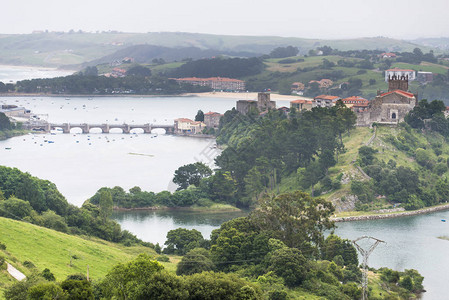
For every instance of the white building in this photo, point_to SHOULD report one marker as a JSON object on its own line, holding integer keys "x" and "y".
{"x": 399, "y": 73}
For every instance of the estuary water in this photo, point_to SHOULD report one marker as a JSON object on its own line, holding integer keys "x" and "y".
{"x": 79, "y": 164}
{"x": 10, "y": 74}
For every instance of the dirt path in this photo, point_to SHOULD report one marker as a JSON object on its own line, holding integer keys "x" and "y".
{"x": 15, "y": 273}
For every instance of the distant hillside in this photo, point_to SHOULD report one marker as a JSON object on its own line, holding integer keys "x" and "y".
{"x": 62, "y": 49}
{"x": 441, "y": 43}
{"x": 144, "y": 54}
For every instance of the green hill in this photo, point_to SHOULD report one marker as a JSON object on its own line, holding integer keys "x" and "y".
{"x": 63, "y": 254}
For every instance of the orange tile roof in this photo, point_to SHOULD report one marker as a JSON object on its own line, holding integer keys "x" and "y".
{"x": 212, "y": 113}
{"x": 326, "y": 97}
{"x": 301, "y": 101}
{"x": 406, "y": 94}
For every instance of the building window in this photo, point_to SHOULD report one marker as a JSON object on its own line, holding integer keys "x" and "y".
{"x": 393, "y": 115}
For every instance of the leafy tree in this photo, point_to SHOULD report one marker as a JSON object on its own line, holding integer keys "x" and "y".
{"x": 281, "y": 52}
{"x": 289, "y": 264}
{"x": 191, "y": 174}
{"x": 195, "y": 261}
{"x": 90, "y": 71}
{"x": 142, "y": 278}
{"x": 180, "y": 241}
{"x": 199, "y": 116}
{"x": 295, "y": 218}
{"x": 48, "y": 275}
{"x": 139, "y": 70}
{"x": 366, "y": 155}
{"x": 46, "y": 290}
{"x": 106, "y": 204}
{"x": 334, "y": 246}
{"x": 5, "y": 124}
{"x": 220, "y": 286}
{"x": 15, "y": 208}
{"x": 77, "y": 288}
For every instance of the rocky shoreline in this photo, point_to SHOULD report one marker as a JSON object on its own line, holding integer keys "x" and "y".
{"x": 392, "y": 215}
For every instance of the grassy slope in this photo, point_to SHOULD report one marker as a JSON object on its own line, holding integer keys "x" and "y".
{"x": 47, "y": 248}
{"x": 358, "y": 138}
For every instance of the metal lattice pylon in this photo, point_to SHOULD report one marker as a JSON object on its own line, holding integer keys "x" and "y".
{"x": 365, "y": 254}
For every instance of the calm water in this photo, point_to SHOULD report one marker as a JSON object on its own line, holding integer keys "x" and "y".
{"x": 153, "y": 226}
{"x": 80, "y": 164}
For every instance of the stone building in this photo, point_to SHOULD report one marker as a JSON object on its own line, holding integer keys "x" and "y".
{"x": 212, "y": 119}
{"x": 391, "y": 107}
{"x": 300, "y": 105}
{"x": 263, "y": 103}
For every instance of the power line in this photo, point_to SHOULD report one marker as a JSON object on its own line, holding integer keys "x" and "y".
{"x": 365, "y": 254}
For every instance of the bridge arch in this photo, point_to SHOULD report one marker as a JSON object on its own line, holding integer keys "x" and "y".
{"x": 137, "y": 131}
{"x": 115, "y": 130}
{"x": 76, "y": 130}
{"x": 159, "y": 130}
{"x": 95, "y": 130}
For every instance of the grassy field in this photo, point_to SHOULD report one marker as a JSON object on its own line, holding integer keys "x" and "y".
{"x": 63, "y": 254}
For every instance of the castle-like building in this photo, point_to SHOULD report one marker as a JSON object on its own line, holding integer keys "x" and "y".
{"x": 389, "y": 107}
{"x": 262, "y": 104}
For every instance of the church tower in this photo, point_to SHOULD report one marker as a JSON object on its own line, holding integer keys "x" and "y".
{"x": 398, "y": 83}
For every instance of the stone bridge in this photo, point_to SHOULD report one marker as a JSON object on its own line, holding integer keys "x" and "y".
{"x": 105, "y": 128}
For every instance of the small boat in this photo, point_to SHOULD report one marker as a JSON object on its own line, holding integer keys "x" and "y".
{"x": 7, "y": 148}
{"x": 443, "y": 220}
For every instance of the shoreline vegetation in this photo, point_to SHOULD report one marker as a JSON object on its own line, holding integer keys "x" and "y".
{"x": 217, "y": 207}
{"x": 365, "y": 216}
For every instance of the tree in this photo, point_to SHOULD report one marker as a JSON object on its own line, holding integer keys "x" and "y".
{"x": 289, "y": 264}
{"x": 191, "y": 174}
{"x": 46, "y": 290}
{"x": 195, "y": 261}
{"x": 295, "y": 218}
{"x": 142, "y": 278}
{"x": 90, "y": 71}
{"x": 77, "y": 288}
{"x": 281, "y": 52}
{"x": 220, "y": 286}
{"x": 48, "y": 275}
{"x": 5, "y": 124}
{"x": 106, "y": 204}
{"x": 138, "y": 70}
{"x": 199, "y": 116}
{"x": 180, "y": 241}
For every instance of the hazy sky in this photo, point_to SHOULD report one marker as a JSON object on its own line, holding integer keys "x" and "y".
{"x": 298, "y": 18}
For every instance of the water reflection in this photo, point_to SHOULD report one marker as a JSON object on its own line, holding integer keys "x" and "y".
{"x": 152, "y": 226}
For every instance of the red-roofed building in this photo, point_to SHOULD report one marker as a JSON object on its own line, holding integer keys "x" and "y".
{"x": 323, "y": 83}
{"x": 212, "y": 119}
{"x": 391, "y": 107}
{"x": 216, "y": 83}
{"x": 301, "y": 104}
{"x": 388, "y": 55}
{"x": 325, "y": 100}
{"x": 410, "y": 74}
{"x": 356, "y": 103}
{"x": 187, "y": 126}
